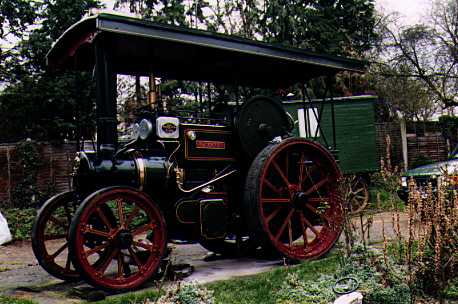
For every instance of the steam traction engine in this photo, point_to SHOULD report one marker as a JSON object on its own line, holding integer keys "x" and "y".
{"x": 232, "y": 184}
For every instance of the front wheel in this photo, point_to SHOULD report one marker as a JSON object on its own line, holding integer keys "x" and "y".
{"x": 50, "y": 236}
{"x": 293, "y": 199}
{"x": 131, "y": 243}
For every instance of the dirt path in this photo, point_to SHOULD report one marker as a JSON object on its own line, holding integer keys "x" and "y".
{"x": 22, "y": 277}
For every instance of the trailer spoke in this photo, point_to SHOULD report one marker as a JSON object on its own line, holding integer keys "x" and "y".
{"x": 120, "y": 207}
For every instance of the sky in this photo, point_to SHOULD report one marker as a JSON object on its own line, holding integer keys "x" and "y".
{"x": 411, "y": 11}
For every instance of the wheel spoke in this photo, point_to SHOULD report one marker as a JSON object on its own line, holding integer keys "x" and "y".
{"x": 132, "y": 215}
{"x": 120, "y": 265}
{"x": 323, "y": 216}
{"x": 357, "y": 191}
{"x": 275, "y": 200}
{"x": 120, "y": 207}
{"x": 301, "y": 171}
{"x": 68, "y": 262}
{"x": 280, "y": 172}
{"x": 148, "y": 247}
{"x": 89, "y": 230}
{"x": 304, "y": 229}
{"x": 59, "y": 251}
{"x": 103, "y": 267}
{"x": 135, "y": 257}
{"x": 309, "y": 224}
{"x": 318, "y": 199}
{"x": 272, "y": 187}
{"x": 317, "y": 186}
{"x": 283, "y": 227}
{"x": 143, "y": 229}
{"x": 54, "y": 236}
{"x": 97, "y": 249}
{"x": 68, "y": 214}
{"x": 290, "y": 234}
{"x": 104, "y": 219}
{"x": 273, "y": 214}
{"x": 58, "y": 222}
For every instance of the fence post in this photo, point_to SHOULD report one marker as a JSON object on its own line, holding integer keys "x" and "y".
{"x": 404, "y": 143}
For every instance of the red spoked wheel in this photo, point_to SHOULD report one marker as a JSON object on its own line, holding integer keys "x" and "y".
{"x": 50, "y": 236}
{"x": 132, "y": 242}
{"x": 293, "y": 198}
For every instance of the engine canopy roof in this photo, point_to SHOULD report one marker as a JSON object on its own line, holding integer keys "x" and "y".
{"x": 139, "y": 47}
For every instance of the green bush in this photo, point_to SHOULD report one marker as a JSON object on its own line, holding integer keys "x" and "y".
{"x": 379, "y": 284}
{"x": 20, "y": 222}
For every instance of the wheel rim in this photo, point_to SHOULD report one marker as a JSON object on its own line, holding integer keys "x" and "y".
{"x": 50, "y": 236}
{"x": 132, "y": 244}
{"x": 299, "y": 200}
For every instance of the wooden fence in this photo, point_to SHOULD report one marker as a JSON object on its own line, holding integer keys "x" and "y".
{"x": 391, "y": 129}
{"x": 428, "y": 147}
{"x": 55, "y": 168}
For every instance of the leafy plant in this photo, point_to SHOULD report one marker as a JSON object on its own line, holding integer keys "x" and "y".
{"x": 189, "y": 293}
{"x": 20, "y": 222}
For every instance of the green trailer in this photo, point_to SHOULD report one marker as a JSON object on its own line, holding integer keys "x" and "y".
{"x": 347, "y": 126}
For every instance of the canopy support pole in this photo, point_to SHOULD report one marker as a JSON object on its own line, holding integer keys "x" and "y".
{"x": 106, "y": 81}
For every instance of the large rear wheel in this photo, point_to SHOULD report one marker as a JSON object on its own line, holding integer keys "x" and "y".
{"x": 132, "y": 245}
{"x": 293, "y": 198}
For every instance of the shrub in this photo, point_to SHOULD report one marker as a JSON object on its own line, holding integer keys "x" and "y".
{"x": 189, "y": 293}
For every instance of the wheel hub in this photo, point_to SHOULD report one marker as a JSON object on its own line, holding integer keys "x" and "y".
{"x": 125, "y": 239}
{"x": 299, "y": 200}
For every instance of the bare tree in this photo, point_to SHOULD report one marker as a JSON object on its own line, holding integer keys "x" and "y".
{"x": 427, "y": 52}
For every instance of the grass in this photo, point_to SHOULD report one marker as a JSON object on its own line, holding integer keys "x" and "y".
{"x": 131, "y": 298}
{"x": 388, "y": 201}
{"x": 260, "y": 288}
{"x": 9, "y": 300}
{"x": 452, "y": 291}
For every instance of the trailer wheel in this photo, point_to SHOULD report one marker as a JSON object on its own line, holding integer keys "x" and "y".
{"x": 293, "y": 199}
{"x": 131, "y": 248}
{"x": 357, "y": 194}
{"x": 50, "y": 236}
